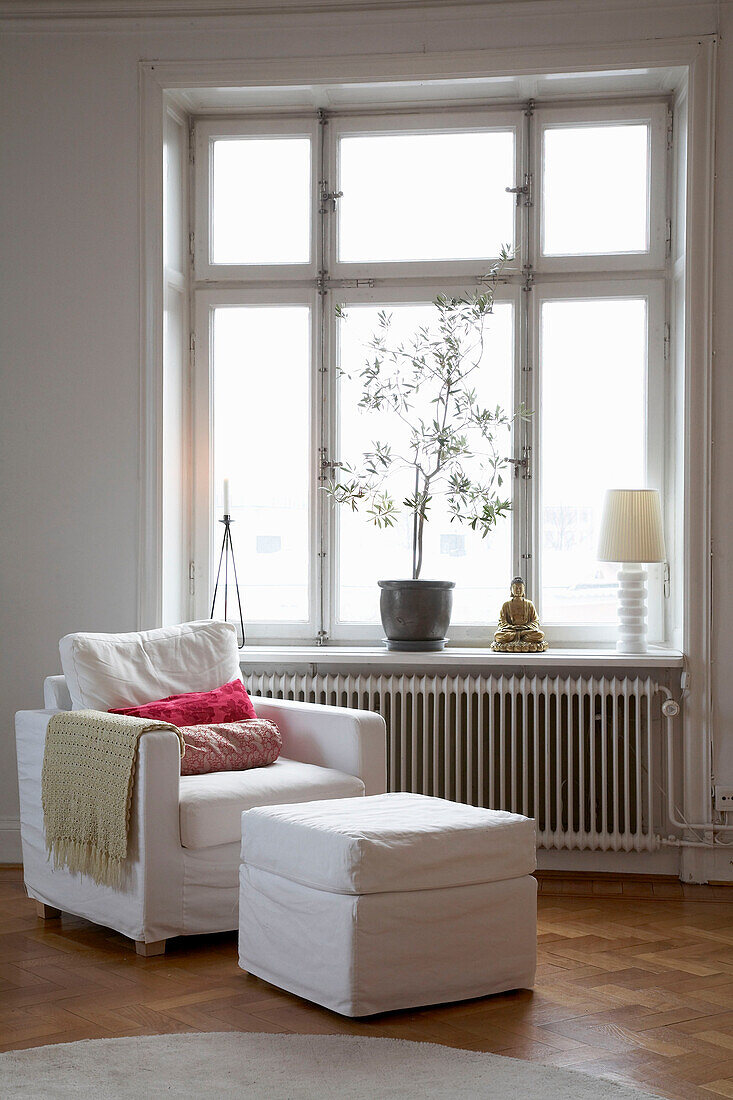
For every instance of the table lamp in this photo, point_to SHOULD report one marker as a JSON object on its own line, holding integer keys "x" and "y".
{"x": 632, "y": 534}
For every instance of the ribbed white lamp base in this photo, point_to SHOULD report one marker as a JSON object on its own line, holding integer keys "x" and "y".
{"x": 631, "y": 609}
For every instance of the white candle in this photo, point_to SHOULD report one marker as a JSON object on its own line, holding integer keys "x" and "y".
{"x": 227, "y": 501}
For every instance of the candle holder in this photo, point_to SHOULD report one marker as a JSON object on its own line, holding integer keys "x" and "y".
{"x": 227, "y": 549}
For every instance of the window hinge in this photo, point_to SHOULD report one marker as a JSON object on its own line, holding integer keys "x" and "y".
{"x": 191, "y": 242}
{"x": 326, "y": 465}
{"x": 526, "y": 557}
{"x": 192, "y": 143}
{"x": 525, "y": 189}
{"x": 667, "y": 335}
{"x": 192, "y": 342}
{"x": 668, "y": 237}
{"x": 191, "y": 578}
{"x": 667, "y": 581}
{"x": 670, "y": 130}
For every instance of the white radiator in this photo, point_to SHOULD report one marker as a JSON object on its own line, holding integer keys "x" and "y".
{"x": 575, "y": 753}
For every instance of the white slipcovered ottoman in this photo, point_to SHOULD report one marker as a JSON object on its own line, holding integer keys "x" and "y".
{"x": 371, "y": 904}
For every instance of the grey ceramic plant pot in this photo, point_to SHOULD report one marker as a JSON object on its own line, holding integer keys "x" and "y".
{"x": 416, "y": 614}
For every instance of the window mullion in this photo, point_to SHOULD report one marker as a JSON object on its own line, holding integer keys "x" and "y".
{"x": 527, "y": 480}
{"x": 319, "y": 435}
{"x": 324, "y": 554}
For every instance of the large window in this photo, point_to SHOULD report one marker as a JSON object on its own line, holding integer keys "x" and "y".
{"x": 296, "y": 216}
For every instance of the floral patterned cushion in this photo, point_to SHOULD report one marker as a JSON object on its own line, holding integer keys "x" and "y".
{"x": 229, "y": 703}
{"x": 230, "y": 746}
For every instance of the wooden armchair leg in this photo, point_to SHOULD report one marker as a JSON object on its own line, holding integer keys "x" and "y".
{"x": 46, "y": 912}
{"x": 148, "y": 950}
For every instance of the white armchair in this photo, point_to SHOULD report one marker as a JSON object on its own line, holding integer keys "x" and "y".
{"x": 183, "y": 858}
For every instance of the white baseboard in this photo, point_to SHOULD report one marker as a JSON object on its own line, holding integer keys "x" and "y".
{"x": 666, "y": 862}
{"x": 707, "y": 865}
{"x": 10, "y": 850}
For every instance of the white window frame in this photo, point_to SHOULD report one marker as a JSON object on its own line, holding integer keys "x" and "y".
{"x": 332, "y": 281}
{"x": 486, "y": 119}
{"x": 206, "y": 133}
{"x": 206, "y": 536}
{"x": 655, "y": 115}
{"x": 653, "y": 291}
{"x": 355, "y": 632}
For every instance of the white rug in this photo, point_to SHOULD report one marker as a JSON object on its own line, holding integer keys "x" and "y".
{"x": 285, "y": 1067}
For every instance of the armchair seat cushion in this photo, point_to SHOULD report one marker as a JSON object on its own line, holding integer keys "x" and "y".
{"x": 211, "y": 805}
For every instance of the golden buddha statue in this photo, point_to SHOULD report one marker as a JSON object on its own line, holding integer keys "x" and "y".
{"x": 519, "y": 627}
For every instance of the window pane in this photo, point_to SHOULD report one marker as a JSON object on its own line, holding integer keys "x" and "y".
{"x": 595, "y": 190}
{"x": 261, "y": 195}
{"x": 480, "y": 567}
{"x": 593, "y": 362}
{"x": 425, "y": 196}
{"x": 261, "y": 443}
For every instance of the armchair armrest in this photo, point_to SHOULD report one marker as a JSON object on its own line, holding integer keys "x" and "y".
{"x": 150, "y": 903}
{"x": 155, "y": 791}
{"x": 350, "y": 741}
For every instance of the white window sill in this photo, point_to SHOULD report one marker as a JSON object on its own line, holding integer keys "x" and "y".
{"x": 454, "y": 657}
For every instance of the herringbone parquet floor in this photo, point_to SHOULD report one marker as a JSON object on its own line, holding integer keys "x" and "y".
{"x": 635, "y": 982}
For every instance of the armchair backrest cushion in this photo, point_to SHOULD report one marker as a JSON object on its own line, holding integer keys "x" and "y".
{"x": 121, "y": 670}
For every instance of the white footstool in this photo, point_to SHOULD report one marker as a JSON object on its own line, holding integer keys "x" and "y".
{"x": 365, "y": 905}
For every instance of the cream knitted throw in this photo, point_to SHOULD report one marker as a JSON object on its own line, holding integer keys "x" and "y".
{"x": 87, "y": 780}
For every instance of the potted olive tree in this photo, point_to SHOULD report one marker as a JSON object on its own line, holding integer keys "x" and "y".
{"x": 457, "y": 449}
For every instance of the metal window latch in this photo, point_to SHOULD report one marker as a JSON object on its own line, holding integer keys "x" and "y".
{"x": 521, "y": 464}
{"x": 525, "y": 189}
{"x": 327, "y": 466}
{"x": 328, "y": 200}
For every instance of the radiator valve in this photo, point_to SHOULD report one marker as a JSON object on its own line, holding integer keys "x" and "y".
{"x": 670, "y": 709}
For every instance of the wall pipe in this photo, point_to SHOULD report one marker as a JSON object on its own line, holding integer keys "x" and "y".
{"x": 670, "y": 710}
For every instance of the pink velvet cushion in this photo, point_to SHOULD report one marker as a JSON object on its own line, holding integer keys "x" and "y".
{"x": 230, "y": 746}
{"x": 229, "y": 703}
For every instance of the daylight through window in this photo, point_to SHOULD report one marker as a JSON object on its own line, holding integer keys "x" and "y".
{"x": 296, "y": 217}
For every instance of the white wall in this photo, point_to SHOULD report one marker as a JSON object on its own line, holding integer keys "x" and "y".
{"x": 723, "y": 416}
{"x": 69, "y": 307}
{"x": 174, "y": 540}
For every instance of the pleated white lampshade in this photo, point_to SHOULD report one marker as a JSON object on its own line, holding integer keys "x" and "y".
{"x": 631, "y": 527}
